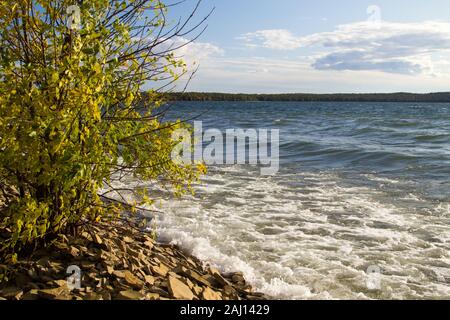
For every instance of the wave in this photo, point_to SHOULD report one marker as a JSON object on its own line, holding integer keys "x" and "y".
{"x": 356, "y": 188}
{"x": 433, "y": 138}
{"x": 324, "y": 153}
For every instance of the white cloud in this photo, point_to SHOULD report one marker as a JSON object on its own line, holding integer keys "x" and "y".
{"x": 279, "y": 39}
{"x": 404, "y": 48}
{"x": 358, "y": 57}
{"x": 196, "y": 52}
{"x": 274, "y": 75}
{"x": 192, "y": 52}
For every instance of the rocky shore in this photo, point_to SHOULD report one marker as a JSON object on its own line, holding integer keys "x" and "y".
{"x": 119, "y": 261}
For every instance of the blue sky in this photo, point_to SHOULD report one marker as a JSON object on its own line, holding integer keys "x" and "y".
{"x": 321, "y": 46}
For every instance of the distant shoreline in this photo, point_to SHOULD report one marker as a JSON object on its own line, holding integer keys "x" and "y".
{"x": 438, "y": 97}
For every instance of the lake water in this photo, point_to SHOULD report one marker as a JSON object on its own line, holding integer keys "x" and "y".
{"x": 360, "y": 186}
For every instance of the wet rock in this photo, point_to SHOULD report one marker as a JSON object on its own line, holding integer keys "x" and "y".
{"x": 238, "y": 278}
{"x": 230, "y": 292}
{"x": 219, "y": 278}
{"x": 185, "y": 272}
{"x": 255, "y": 297}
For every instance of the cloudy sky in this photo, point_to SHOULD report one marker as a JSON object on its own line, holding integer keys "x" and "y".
{"x": 321, "y": 46}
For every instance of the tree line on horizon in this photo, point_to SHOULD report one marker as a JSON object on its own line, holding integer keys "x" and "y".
{"x": 340, "y": 97}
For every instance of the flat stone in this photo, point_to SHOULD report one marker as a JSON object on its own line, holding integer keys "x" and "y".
{"x": 230, "y": 291}
{"x": 11, "y": 293}
{"x": 45, "y": 278}
{"x": 179, "y": 290}
{"x": 149, "y": 245}
{"x": 197, "y": 277}
{"x": 109, "y": 269}
{"x": 52, "y": 293}
{"x": 189, "y": 283}
{"x": 162, "y": 270}
{"x": 118, "y": 274}
{"x": 86, "y": 235}
{"x": 106, "y": 295}
{"x": 132, "y": 280}
{"x": 198, "y": 290}
{"x": 173, "y": 274}
{"x": 33, "y": 274}
{"x": 130, "y": 295}
{"x": 219, "y": 278}
{"x": 97, "y": 239}
{"x": 152, "y": 296}
{"x": 74, "y": 252}
{"x": 255, "y": 297}
{"x": 31, "y": 295}
{"x": 87, "y": 265}
{"x": 93, "y": 296}
{"x": 32, "y": 285}
{"x": 132, "y": 252}
{"x": 238, "y": 278}
{"x": 229, "y": 275}
{"x": 59, "y": 283}
{"x": 161, "y": 292}
{"x": 43, "y": 262}
{"x": 191, "y": 262}
{"x": 22, "y": 280}
{"x": 150, "y": 280}
{"x": 54, "y": 264}
{"x": 209, "y": 294}
{"x": 122, "y": 246}
{"x": 128, "y": 239}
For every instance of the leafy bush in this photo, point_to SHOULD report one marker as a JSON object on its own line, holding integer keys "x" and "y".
{"x": 72, "y": 112}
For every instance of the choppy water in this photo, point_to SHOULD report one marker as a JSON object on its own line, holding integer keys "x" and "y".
{"x": 360, "y": 184}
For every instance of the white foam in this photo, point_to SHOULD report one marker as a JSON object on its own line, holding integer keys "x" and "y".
{"x": 311, "y": 242}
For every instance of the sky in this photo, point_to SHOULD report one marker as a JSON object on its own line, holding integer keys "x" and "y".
{"x": 321, "y": 46}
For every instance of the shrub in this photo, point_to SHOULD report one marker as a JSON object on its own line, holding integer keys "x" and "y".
{"x": 72, "y": 111}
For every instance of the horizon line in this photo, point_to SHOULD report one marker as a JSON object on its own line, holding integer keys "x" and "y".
{"x": 310, "y": 93}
